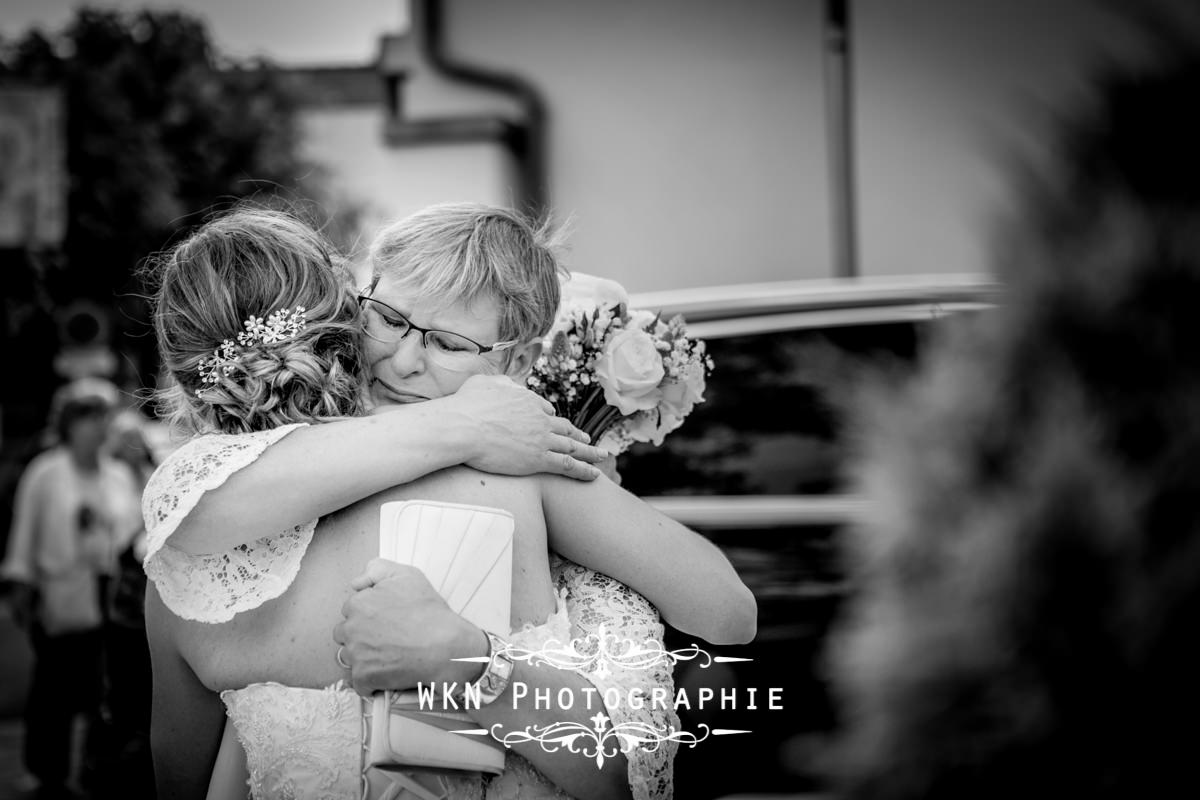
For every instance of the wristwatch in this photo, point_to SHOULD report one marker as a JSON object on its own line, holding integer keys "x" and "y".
{"x": 496, "y": 675}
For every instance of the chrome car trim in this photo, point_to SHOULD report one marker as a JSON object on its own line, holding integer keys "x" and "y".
{"x": 826, "y": 318}
{"x": 756, "y": 299}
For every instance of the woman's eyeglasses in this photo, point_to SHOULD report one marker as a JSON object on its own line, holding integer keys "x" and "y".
{"x": 451, "y": 350}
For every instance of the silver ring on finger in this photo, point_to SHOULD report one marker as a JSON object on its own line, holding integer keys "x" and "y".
{"x": 338, "y": 657}
{"x": 568, "y": 462}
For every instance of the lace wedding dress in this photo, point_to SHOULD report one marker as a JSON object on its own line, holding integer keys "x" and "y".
{"x": 308, "y": 743}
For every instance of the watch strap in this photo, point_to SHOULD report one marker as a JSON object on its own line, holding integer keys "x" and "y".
{"x": 497, "y": 674}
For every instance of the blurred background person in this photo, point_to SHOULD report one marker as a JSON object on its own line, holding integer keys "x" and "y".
{"x": 125, "y": 767}
{"x": 76, "y": 508}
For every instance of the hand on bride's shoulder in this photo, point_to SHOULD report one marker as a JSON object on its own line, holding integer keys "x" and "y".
{"x": 515, "y": 431}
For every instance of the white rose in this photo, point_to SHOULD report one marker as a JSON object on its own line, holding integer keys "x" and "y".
{"x": 679, "y": 397}
{"x": 581, "y": 290}
{"x": 629, "y": 371}
{"x": 680, "y": 394}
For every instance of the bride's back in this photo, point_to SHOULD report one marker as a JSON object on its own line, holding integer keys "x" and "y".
{"x": 289, "y": 639}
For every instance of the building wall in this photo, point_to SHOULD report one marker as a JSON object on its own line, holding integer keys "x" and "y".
{"x": 687, "y": 137}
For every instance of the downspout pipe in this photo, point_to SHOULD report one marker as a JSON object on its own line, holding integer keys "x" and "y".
{"x": 524, "y": 138}
{"x": 839, "y": 108}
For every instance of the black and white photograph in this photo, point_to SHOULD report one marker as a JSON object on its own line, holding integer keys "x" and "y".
{"x": 599, "y": 399}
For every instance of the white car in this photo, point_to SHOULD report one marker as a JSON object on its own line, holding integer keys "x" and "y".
{"x": 759, "y": 469}
{"x": 783, "y": 353}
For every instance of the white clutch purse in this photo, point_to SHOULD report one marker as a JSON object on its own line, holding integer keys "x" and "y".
{"x": 466, "y": 552}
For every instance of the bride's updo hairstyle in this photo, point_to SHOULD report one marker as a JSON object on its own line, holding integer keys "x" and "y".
{"x": 246, "y": 265}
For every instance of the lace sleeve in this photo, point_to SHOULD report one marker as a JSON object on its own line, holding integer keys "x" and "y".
{"x": 213, "y": 588}
{"x": 595, "y": 600}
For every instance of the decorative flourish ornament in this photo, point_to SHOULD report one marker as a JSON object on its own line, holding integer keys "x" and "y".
{"x": 600, "y": 741}
{"x": 598, "y": 652}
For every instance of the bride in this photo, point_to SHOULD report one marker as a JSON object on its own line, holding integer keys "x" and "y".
{"x": 277, "y": 596}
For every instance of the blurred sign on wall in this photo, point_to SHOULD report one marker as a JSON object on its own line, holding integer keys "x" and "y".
{"x": 33, "y": 179}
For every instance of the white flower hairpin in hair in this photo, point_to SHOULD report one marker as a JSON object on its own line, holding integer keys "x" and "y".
{"x": 281, "y": 326}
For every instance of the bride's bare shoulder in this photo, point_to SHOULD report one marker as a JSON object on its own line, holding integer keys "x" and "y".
{"x": 466, "y": 485}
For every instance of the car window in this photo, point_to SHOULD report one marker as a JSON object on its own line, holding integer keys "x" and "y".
{"x": 773, "y": 421}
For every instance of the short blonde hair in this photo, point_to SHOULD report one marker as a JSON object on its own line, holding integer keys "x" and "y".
{"x": 464, "y": 252}
{"x": 252, "y": 262}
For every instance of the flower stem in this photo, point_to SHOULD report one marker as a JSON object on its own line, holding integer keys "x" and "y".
{"x": 602, "y": 421}
{"x": 589, "y": 407}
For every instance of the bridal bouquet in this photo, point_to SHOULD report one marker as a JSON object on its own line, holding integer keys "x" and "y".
{"x": 619, "y": 375}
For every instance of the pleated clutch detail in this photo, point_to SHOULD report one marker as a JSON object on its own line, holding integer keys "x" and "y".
{"x": 466, "y": 552}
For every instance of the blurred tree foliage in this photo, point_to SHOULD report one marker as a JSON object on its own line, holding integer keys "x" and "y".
{"x": 160, "y": 129}
{"x": 1028, "y": 582}
{"x": 1134, "y": 139}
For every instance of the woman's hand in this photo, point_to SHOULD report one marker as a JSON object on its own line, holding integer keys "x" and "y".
{"x": 517, "y": 432}
{"x": 398, "y": 631}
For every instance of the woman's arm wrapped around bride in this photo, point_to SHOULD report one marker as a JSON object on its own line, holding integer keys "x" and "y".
{"x": 398, "y": 632}
{"x": 491, "y": 424}
{"x": 596, "y": 523}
